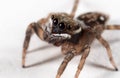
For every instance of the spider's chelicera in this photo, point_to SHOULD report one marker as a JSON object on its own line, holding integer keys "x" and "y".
{"x": 74, "y": 35}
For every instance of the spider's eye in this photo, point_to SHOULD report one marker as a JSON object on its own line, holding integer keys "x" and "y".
{"x": 69, "y": 27}
{"x": 77, "y": 27}
{"x": 62, "y": 26}
{"x": 52, "y": 17}
{"x": 101, "y": 19}
{"x": 55, "y": 21}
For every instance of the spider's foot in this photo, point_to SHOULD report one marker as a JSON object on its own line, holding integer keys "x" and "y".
{"x": 23, "y": 66}
{"x": 116, "y": 69}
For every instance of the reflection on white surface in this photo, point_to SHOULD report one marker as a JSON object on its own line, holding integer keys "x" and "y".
{"x": 43, "y": 58}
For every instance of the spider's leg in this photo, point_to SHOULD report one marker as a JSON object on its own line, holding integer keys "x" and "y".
{"x": 63, "y": 65}
{"x": 112, "y": 27}
{"x": 106, "y": 45}
{"x": 74, "y": 8}
{"x": 82, "y": 61}
{"x": 33, "y": 27}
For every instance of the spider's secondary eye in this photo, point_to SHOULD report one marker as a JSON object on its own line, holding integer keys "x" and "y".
{"x": 52, "y": 17}
{"x": 77, "y": 27}
{"x": 69, "y": 27}
{"x": 55, "y": 21}
{"x": 101, "y": 18}
{"x": 61, "y": 25}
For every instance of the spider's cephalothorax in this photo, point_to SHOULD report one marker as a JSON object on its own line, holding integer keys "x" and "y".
{"x": 75, "y": 36}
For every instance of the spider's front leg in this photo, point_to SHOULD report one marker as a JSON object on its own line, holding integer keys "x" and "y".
{"x": 32, "y": 28}
{"x": 106, "y": 45}
{"x": 63, "y": 65}
{"x": 82, "y": 61}
{"x": 39, "y": 29}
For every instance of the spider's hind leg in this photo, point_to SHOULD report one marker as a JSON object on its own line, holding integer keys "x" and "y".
{"x": 112, "y": 27}
{"x": 33, "y": 27}
{"x": 74, "y": 8}
{"x": 106, "y": 45}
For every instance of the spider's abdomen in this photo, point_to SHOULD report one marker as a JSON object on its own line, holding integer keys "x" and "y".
{"x": 93, "y": 18}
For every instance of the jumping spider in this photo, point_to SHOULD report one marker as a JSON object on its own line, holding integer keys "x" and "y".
{"x": 75, "y": 36}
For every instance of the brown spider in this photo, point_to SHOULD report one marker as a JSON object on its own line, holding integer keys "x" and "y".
{"x": 75, "y": 36}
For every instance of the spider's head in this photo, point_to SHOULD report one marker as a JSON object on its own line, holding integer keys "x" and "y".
{"x": 63, "y": 24}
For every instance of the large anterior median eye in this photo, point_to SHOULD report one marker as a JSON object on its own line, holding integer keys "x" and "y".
{"x": 55, "y": 21}
{"x": 61, "y": 26}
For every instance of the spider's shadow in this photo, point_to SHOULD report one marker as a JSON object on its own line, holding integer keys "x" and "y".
{"x": 100, "y": 66}
{"x": 40, "y": 48}
{"x": 60, "y": 56}
{"x": 57, "y": 56}
{"x": 45, "y": 61}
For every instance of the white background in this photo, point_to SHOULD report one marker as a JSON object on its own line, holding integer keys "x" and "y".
{"x": 44, "y": 59}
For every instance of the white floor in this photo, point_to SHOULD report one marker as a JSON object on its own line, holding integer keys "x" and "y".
{"x": 44, "y": 59}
